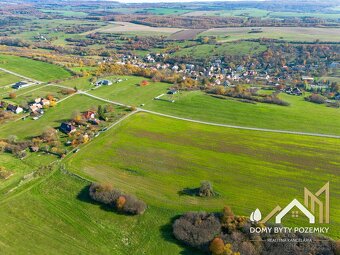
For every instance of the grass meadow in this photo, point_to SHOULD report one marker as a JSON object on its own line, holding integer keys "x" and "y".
{"x": 202, "y": 51}
{"x": 298, "y": 116}
{"x": 282, "y": 33}
{"x": 7, "y": 79}
{"x": 33, "y": 69}
{"x": 156, "y": 158}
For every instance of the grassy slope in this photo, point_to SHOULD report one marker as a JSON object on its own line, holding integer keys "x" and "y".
{"x": 57, "y": 216}
{"x": 285, "y": 33}
{"x": 7, "y": 79}
{"x": 299, "y": 116}
{"x": 19, "y": 168}
{"x": 241, "y": 48}
{"x": 130, "y": 92}
{"x": 156, "y": 157}
{"x": 32, "y": 68}
{"x": 53, "y": 117}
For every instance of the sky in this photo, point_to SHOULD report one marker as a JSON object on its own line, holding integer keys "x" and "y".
{"x": 176, "y": 1}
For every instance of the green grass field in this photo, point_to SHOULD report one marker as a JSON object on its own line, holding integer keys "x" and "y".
{"x": 282, "y": 33}
{"x": 299, "y": 116}
{"x": 20, "y": 168}
{"x": 165, "y": 11}
{"x": 156, "y": 157}
{"x": 260, "y": 13}
{"x": 33, "y": 69}
{"x": 202, "y": 51}
{"x": 56, "y": 216}
{"x": 8, "y": 79}
{"x": 66, "y": 13}
{"x": 129, "y": 92}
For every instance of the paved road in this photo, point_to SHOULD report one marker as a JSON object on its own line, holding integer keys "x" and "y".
{"x": 215, "y": 124}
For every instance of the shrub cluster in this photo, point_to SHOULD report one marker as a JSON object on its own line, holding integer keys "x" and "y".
{"x": 197, "y": 229}
{"x": 227, "y": 234}
{"x": 125, "y": 203}
{"x": 316, "y": 98}
{"x": 15, "y": 147}
{"x": 246, "y": 93}
{"x": 206, "y": 189}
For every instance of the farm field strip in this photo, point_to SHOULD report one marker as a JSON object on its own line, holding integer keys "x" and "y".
{"x": 7, "y": 79}
{"x": 285, "y": 33}
{"x": 122, "y": 27}
{"x": 32, "y": 69}
{"x": 19, "y": 75}
{"x": 215, "y": 124}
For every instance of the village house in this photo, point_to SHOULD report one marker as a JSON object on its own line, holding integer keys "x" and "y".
{"x": 67, "y": 128}
{"x": 104, "y": 82}
{"x": 89, "y": 115}
{"x": 14, "y": 108}
{"x": 293, "y": 91}
{"x": 20, "y": 84}
{"x": 38, "y": 105}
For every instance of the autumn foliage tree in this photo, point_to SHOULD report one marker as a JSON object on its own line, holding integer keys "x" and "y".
{"x": 217, "y": 246}
{"x": 12, "y": 95}
{"x": 115, "y": 198}
{"x": 144, "y": 83}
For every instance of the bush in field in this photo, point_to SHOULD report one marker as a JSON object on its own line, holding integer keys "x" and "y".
{"x": 197, "y": 229}
{"x": 316, "y": 98}
{"x": 105, "y": 194}
{"x": 12, "y": 95}
{"x": 144, "y": 83}
{"x": 133, "y": 205}
{"x": 206, "y": 189}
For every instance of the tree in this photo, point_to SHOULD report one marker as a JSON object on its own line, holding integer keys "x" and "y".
{"x": 50, "y": 135}
{"x": 53, "y": 103}
{"x": 206, "y": 189}
{"x": 76, "y": 116}
{"x": 12, "y": 95}
{"x": 217, "y": 246}
{"x": 50, "y": 97}
{"x": 101, "y": 112}
{"x": 144, "y": 83}
{"x": 120, "y": 202}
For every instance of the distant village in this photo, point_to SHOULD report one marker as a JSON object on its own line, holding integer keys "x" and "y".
{"x": 218, "y": 74}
